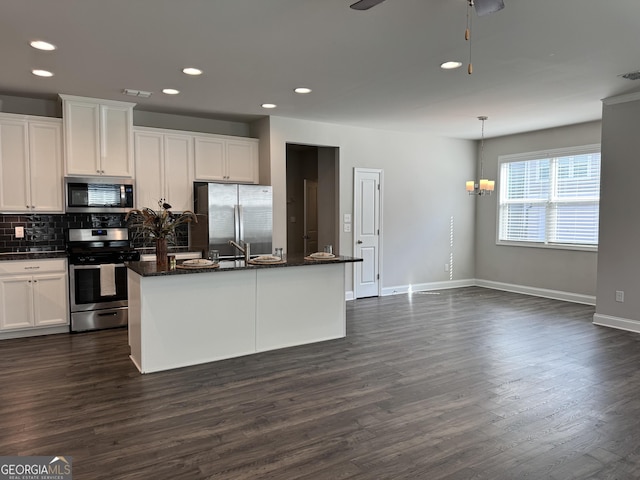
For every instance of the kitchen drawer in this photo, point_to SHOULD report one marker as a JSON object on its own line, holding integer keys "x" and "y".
{"x": 33, "y": 267}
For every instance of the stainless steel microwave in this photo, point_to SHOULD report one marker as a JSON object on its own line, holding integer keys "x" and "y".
{"x": 98, "y": 195}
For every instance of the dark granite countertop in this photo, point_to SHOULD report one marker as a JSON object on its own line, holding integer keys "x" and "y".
{"x": 149, "y": 269}
{"x": 32, "y": 255}
{"x": 171, "y": 249}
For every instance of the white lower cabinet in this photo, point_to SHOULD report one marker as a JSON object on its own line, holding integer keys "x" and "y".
{"x": 33, "y": 294}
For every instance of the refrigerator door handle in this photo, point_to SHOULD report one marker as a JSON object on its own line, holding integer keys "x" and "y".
{"x": 236, "y": 222}
{"x": 240, "y": 223}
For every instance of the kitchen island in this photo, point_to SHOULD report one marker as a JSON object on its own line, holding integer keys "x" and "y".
{"x": 186, "y": 317}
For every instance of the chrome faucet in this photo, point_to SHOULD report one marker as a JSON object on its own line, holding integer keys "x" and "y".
{"x": 246, "y": 250}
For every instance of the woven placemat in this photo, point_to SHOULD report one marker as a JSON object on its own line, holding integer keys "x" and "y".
{"x": 197, "y": 267}
{"x": 280, "y": 262}
{"x": 332, "y": 259}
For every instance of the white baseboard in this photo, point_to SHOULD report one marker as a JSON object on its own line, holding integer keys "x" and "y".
{"x": 348, "y": 296}
{"x": 474, "y": 282}
{"x": 616, "y": 322}
{"x": 423, "y": 287}
{"x": 34, "y": 332}
{"x": 538, "y": 292}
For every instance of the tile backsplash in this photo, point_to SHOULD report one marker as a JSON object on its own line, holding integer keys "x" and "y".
{"x": 47, "y": 232}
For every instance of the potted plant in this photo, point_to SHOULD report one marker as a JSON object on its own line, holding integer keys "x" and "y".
{"x": 160, "y": 225}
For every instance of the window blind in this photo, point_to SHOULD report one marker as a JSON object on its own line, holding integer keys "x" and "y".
{"x": 550, "y": 200}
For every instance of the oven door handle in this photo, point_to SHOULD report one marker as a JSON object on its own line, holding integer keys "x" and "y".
{"x": 93, "y": 267}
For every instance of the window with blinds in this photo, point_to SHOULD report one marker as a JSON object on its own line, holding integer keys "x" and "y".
{"x": 550, "y": 198}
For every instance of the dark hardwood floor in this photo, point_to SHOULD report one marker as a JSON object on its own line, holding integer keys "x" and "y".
{"x": 460, "y": 384}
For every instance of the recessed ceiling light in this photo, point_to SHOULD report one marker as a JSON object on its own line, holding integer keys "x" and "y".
{"x": 42, "y": 45}
{"x": 170, "y": 91}
{"x": 302, "y": 90}
{"x": 268, "y": 105}
{"x": 192, "y": 71}
{"x": 42, "y": 73}
{"x": 450, "y": 65}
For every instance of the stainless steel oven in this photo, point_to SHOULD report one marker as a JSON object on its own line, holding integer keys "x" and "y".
{"x": 98, "y": 277}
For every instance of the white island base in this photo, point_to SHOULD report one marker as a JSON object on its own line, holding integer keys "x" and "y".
{"x": 181, "y": 320}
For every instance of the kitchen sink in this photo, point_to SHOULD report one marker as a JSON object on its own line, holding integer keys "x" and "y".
{"x": 231, "y": 263}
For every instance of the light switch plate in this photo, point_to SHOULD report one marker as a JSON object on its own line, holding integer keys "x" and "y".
{"x": 347, "y": 218}
{"x": 19, "y": 232}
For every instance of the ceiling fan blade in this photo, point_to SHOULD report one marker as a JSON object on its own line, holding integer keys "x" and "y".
{"x": 365, "y": 4}
{"x": 485, "y": 7}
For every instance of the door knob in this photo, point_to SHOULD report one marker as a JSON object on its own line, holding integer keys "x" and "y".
{"x": 359, "y": 242}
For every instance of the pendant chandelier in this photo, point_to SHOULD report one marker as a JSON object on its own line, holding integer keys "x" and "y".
{"x": 483, "y": 186}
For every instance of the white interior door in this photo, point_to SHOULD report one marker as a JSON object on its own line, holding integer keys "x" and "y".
{"x": 367, "y": 220}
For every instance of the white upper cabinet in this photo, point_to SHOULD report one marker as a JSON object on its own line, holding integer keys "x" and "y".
{"x": 45, "y": 165}
{"x": 210, "y": 159}
{"x": 98, "y": 136}
{"x": 164, "y": 168}
{"x": 242, "y": 160}
{"x": 221, "y": 158}
{"x": 30, "y": 164}
{"x": 178, "y": 171}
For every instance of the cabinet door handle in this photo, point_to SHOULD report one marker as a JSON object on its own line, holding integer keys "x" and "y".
{"x": 359, "y": 242}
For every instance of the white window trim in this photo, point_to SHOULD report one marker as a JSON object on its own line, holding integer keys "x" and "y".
{"x": 519, "y": 157}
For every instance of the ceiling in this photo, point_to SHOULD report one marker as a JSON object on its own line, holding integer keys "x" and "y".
{"x": 536, "y": 64}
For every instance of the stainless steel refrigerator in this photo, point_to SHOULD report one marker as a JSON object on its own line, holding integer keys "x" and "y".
{"x": 228, "y": 211}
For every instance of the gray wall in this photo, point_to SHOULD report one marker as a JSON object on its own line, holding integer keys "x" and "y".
{"x": 328, "y": 198}
{"x": 424, "y": 196}
{"x": 30, "y": 106}
{"x": 618, "y": 258}
{"x": 423, "y": 190}
{"x": 190, "y": 124}
{"x": 261, "y": 129}
{"x": 53, "y": 108}
{"x": 567, "y": 271}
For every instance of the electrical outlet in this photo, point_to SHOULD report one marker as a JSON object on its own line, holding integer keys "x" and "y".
{"x": 620, "y": 296}
{"x": 19, "y": 232}
{"x": 347, "y": 227}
